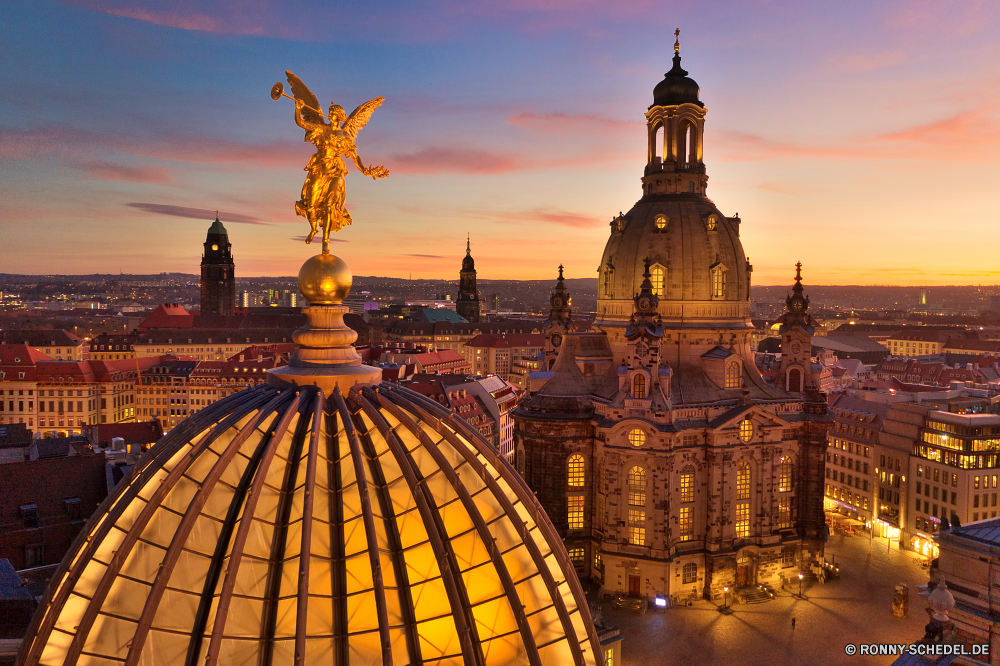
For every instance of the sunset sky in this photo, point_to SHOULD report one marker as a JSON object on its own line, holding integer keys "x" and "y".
{"x": 860, "y": 138}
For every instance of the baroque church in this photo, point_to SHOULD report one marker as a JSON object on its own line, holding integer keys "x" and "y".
{"x": 668, "y": 464}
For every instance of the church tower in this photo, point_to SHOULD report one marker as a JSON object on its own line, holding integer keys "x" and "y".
{"x": 560, "y": 321}
{"x": 218, "y": 272}
{"x": 467, "y": 304}
{"x": 795, "y": 374}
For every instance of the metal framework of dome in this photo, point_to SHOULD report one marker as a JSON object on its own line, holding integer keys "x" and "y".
{"x": 284, "y": 526}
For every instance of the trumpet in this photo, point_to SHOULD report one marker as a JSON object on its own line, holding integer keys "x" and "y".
{"x": 278, "y": 91}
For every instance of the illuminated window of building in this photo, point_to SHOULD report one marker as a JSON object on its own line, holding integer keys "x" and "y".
{"x": 689, "y": 574}
{"x": 746, "y": 430}
{"x": 656, "y": 275}
{"x": 577, "y": 555}
{"x": 637, "y": 487}
{"x": 685, "y": 523}
{"x": 733, "y": 375}
{"x": 784, "y": 512}
{"x": 575, "y": 471}
{"x": 609, "y": 657}
{"x": 711, "y": 224}
{"x": 687, "y": 484}
{"x": 636, "y": 527}
{"x": 785, "y": 475}
{"x": 574, "y": 513}
{"x": 636, "y": 437}
{"x": 718, "y": 282}
{"x": 609, "y": 274}
{"x": 743, "y": 481}
{"x": 661, "y": 222}
{"x": 743, "y": 520}
{"x": 639, "y": 387}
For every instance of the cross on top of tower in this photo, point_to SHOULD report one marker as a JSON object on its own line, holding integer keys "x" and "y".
{"x": 468, "y": 243}
{"x": 677, "y": 40}
{"x": 560, "y": 271}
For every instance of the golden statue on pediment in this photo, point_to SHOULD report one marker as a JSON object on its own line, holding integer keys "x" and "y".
{"x": 323, "y": 193}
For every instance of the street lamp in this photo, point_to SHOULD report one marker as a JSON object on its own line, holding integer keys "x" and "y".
{"x": 725, "y": 591}
{"x": 800, "y": 586}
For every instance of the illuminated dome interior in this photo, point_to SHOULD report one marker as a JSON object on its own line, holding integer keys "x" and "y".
{"x": 282, "y": 526}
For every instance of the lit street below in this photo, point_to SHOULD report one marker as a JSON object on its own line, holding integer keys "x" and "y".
{"x": 856, "y": 608}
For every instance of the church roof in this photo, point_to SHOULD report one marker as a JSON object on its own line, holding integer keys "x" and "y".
{"x": 285, "y": 525}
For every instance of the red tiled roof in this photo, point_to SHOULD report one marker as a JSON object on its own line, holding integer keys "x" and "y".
{"x": 21, "y": 355}
{"x": 168, "y": 315}
{"x": 145, "y": 432}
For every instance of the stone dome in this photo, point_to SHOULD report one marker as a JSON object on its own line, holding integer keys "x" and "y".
{"x": 687, "y": 239}
{"x": 676, "y": 87}
{"x": 284, "y": 526}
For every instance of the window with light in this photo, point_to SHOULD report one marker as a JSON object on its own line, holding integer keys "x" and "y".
{"x": 743, "y": 481}
{"x": 574, "y": 470}
{"x": 743, "y": 520}
{"x": 636, "y": 437}
{"x": 689, "y": 574}
{"x": 637, "y": 487}
{"x": 577, "y": 555}
{"x": 639, "y": 387}
{"x": 687, "y": 484}
{"x": 636, "y": 527}
{"x": 685, "y": 523}
{"x": 718, "y": 282}
{"x": 574, "y": 513}
{"x": 733, "y": 375}
{"x": 656, "y": 275}
{"x": 784, "y": 512}
{"x": 661, "y": 222}
{"x": 785, "y": 475}
{"x": 746, "y": 430}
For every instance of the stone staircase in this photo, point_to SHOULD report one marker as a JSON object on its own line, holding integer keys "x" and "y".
{"x": 757, "y": 594}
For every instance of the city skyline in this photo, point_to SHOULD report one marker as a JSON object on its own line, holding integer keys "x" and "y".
{"x": 130, "y": 125}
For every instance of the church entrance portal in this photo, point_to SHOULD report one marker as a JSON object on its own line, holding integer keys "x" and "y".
{"x": 633, "y": 586}
{"x": 745, "y": 574}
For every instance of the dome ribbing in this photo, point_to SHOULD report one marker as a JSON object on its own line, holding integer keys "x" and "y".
{"x": 281, "y": 526}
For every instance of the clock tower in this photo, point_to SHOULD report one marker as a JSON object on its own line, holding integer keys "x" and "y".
{"x": 218, "y": 272}
{"x": 467, "y": 304}
{"x": 560, "y": 321}
{"x": 795, "y": 374}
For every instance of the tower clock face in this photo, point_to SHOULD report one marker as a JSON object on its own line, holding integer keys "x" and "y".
{"x": 643, "y": 303}
{"x": 641, "y": 350}
{"x": 557, "y": 302}
{"x": 556, "y": 340}
{"x": 215, "y": 247}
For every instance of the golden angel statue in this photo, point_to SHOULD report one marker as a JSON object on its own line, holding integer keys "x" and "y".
{"x": 323, "y": 193}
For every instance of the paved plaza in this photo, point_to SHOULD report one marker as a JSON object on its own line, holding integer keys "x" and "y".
{"x": 857, "y": 608}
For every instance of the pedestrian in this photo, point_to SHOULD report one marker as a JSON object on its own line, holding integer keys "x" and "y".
{"x": 793, "y": 624}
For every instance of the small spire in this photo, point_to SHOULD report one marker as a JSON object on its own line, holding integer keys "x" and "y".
{"x": 468, "y": 244}
{"x": 798, "y": 271}
{"x": 677, "y": 41}
{"x": 216, "y": 216}
{"x": 560, "y": 271}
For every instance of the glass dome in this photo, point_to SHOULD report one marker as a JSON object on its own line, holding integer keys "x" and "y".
{"x": 282, "y": 526}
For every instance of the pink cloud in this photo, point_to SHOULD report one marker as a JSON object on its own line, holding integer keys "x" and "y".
{"x": 568, "y": 124}
{"x": 546, "y": 215}
{"x": 454, "y": 160}
{"x": 195, "y": 213}
{"x": 133, "y": 174}
{"x": 972, "y": 127}
{"x": 245, "y": 22}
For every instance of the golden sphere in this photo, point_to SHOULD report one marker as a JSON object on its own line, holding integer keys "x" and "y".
{"x": 325, "y": 279}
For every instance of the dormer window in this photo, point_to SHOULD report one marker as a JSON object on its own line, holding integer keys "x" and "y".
{"x": 733, "y": 375}
{"x": 657, "y": 275}
{"x": 719, "y": 282}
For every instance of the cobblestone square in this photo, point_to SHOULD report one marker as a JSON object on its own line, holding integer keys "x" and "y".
{"x": 856, "y": 608}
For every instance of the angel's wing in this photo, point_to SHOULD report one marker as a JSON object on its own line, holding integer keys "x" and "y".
{"x": 359, "y": 117}
{"x": 310, "y": 112}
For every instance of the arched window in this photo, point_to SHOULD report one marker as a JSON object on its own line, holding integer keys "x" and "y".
{"x": 718, "y": 282}
{"x": 639, "y": 386}
{"x": 785, "y": 475}
{"x": 743, "y": 481}
{"x": 637, "y": 487}
{"x": 795, "y": 380}
{"x": 637, "y": 498}
{"x": 574, "y": 471}
{"x": 687, "y": 484}
{"x": 733, "y": 375}
{"x": 656, "y": 275}
{"x": 657, "y": 147}
{"x": 636, "y": 437}
{"x": 689, "y": 574}
{"x": 746, "y": 430}
{"x": 609, "y": 275}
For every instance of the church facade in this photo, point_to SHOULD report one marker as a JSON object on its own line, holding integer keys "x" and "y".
{"x": 218, "y": 272}
{"x": 679, "y": 471}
